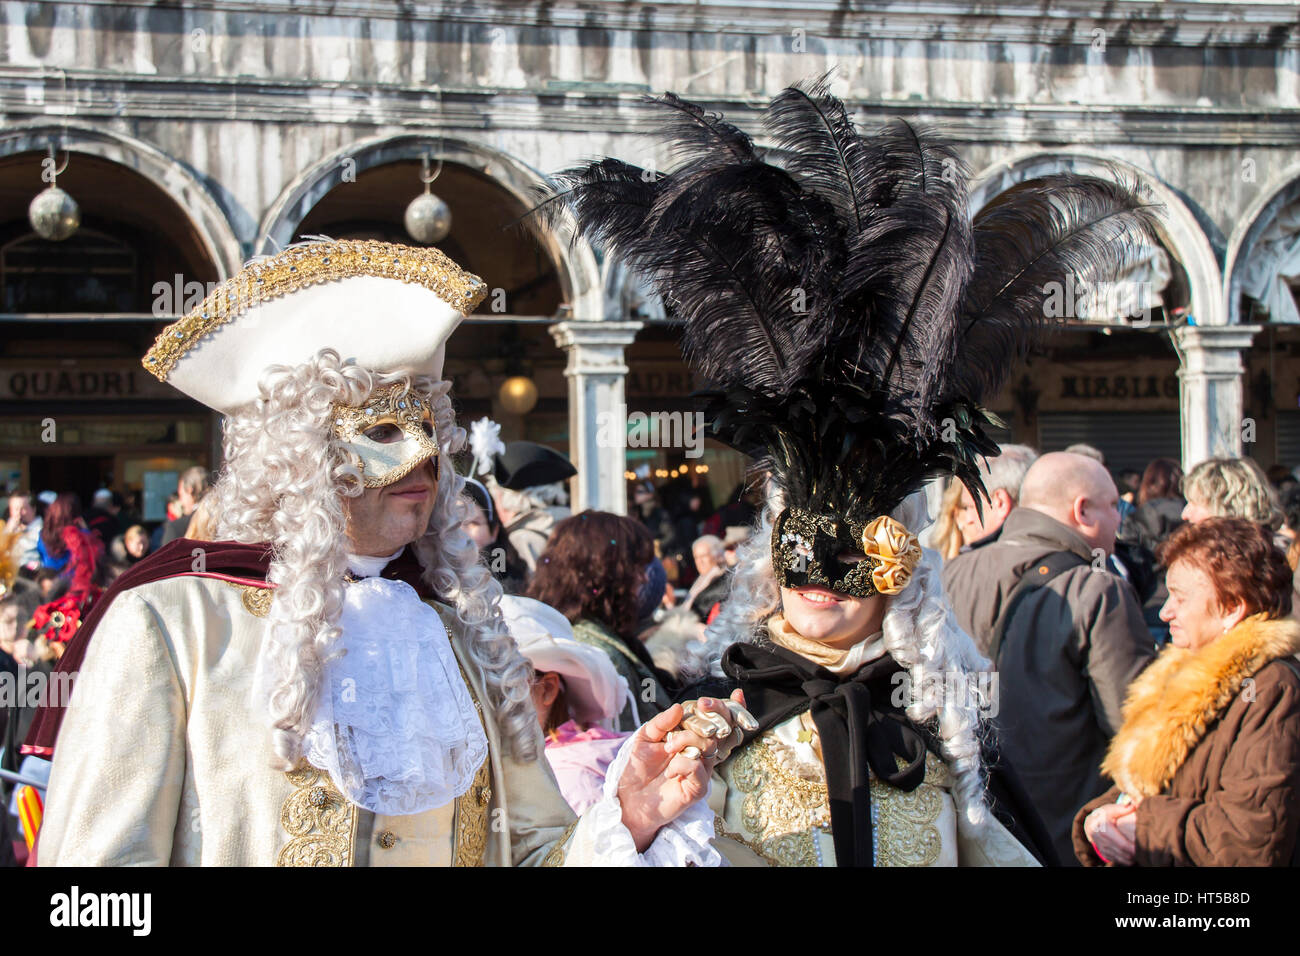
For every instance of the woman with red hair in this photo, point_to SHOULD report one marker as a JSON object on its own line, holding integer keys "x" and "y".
{"x": 593, "y": 571}
{"x": 66, "y": 546}
{"x": 1207, "y": 763}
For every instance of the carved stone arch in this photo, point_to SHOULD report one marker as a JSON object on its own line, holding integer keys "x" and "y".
{"x": 575, "y": 261}
{"x": 208, "y": 219}
{"x": 627, "y": 296}
{"x": 1179, "y": 230}
{"x": 1258, "y": 216}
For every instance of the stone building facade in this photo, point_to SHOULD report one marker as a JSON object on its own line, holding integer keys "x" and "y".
{"x": 197, "y": 134}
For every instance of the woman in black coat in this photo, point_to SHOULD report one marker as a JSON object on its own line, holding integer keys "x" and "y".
{"x": 1159, "y": 514}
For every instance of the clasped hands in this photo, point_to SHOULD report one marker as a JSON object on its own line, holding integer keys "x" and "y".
{"x": 672, "y": 757}
{"x": 1112, "y": 828}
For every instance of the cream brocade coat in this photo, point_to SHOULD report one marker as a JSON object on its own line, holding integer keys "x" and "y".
{"x": 771, "y": 809}
{"x": 164, "y": 759}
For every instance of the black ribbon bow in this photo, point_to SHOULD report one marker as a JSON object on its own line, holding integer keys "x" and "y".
{"x": 861, "y": 730}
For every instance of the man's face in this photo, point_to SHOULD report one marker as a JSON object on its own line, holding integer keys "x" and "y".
{"x": 1100, "y": 517}
{"x": 382, "y": 520}
{"x": 8, "y": 626}
{"x": 704, "y": 561}
{"x": 973, "y": 527}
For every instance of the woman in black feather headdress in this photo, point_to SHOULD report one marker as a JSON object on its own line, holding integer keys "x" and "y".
{"x": 849, "y": 317}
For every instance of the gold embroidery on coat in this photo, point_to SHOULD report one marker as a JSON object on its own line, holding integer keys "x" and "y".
{"x": 471, "y": 827}
{"x": 556, "y": 856}
{"x": 782, "y": 813}
{"x": 905, "y": 831}
{"x": 319, "y": 821}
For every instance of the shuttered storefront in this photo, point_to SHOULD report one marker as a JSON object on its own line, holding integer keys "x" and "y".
{"x": 1288, "y": 438}
{"x": 1127, "y": 439}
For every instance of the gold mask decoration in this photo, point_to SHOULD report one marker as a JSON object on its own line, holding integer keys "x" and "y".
{"x": 894, "y": 551}
{"x": 394, "y": 452}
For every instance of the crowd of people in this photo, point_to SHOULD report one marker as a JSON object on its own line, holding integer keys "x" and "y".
{"x": 1094, "y": 667}
{"x": 56, "y": 559}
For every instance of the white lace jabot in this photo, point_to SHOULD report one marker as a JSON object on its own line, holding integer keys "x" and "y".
{"x": 395, "y": 728}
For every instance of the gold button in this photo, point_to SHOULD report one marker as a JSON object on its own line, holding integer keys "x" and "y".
{"x": 317, "y": 797}
{"x": 387, "y": 840}
{"x": 484, "y": 796}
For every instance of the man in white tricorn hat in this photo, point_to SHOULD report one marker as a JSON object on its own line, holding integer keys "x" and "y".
{"x": 331, "y": 681}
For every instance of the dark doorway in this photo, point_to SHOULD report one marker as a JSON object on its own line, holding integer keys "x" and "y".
{"x": 82, "y": 474}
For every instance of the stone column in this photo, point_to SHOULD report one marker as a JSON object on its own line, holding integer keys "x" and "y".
{"x": 597, "y": 409}
{"x": 1210, "y": 388}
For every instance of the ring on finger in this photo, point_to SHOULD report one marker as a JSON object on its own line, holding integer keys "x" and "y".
{"x": 693, "y": 752}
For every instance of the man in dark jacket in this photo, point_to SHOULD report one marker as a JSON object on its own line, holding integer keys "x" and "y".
{"x": 1074, "y": 639}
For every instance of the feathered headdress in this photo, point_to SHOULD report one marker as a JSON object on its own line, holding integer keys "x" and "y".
{"x": 848, "y": 315}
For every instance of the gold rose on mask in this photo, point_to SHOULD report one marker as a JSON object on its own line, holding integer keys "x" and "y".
{"x": 894, "y": 552}
{"x": 390, "y": 436}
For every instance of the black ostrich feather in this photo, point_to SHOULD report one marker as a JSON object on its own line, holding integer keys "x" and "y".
{"x": 1040, "y": 232}
{"x": 847, "y": 315}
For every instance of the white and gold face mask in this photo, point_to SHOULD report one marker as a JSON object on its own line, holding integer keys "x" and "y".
{"x": 392, "y": 434}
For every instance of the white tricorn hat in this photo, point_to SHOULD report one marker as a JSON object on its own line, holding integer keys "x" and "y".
{"x": 595, "y": 691}
{"x": 387, "y": 307}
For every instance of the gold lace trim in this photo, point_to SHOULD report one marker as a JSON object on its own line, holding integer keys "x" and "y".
{"x": 306, "y": 265}
{"x": 782, "y": 812}
{"x": 905, "y": 830}
{"x": 320, "y": 822}
{"x": 556, "y": 856}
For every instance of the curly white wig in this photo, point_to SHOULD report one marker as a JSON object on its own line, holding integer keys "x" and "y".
{"x": 920, "y": 632}
{"x": 284, "y": 482}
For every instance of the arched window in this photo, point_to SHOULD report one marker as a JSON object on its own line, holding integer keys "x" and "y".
{"x": 87, "y": 272}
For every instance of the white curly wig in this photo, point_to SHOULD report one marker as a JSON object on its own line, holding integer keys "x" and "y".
{"x": 284, "y": 481}
{"x": 920, "y": 632}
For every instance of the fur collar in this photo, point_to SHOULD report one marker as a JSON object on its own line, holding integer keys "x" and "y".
{"x": 1173, "y": 703}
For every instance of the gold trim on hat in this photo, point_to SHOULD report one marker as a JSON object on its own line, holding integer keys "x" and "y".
{"x": 306, "y": 265}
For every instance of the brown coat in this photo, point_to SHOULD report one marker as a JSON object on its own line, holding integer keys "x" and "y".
{"x": 1211, "y": 746}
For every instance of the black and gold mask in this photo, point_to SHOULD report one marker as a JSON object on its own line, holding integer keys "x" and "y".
{"x": 808, "y": 549}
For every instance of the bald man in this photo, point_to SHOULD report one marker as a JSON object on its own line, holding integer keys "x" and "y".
{"x": 1066, "y": 642}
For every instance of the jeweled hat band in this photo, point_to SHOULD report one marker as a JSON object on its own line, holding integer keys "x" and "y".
{"x": 806, "y": 549}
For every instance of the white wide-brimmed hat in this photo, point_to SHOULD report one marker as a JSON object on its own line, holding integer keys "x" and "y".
{"x": 596, "y": 692}
{"x": 387, "y": 307}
